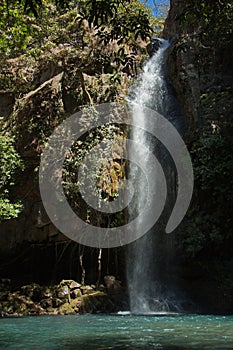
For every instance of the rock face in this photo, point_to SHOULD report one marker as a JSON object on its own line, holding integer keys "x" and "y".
{"x": 172, "y": 28}
{"x": 199, "y": 71}
{"x": 184, "y": 76}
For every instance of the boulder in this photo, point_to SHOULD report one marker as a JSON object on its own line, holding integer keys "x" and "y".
{"x": 66, "y": 309}
{"x": 87, "y": 290}
{"x": 71, "y": 284}
{"x": 153, "y": 46}
{"x": 63, "y": 292}
{"x": 56, "y": 302}
{"x": 75, "y": 293}
{"x": 95, "y": 303}
{"x": 74, "y": 285}
{"x": 113, "y": 286}
{"x": 33, "y": 291}
{"x": 46, "y": 303}
{"x": 47, "y": 293}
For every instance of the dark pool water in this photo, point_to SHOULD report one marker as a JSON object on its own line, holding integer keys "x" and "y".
{"x": 104, "y": 332}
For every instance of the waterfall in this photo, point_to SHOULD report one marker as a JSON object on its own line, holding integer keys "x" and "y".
{"x": 151, "y": 89}
{"x": 146, "y": 291}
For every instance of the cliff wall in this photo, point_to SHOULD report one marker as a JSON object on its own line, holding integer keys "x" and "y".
{"x": 200, "y": 70}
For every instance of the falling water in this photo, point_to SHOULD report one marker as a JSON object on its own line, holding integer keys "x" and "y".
{"x": 147, "y": 293}
{"x": 152, "y": 88}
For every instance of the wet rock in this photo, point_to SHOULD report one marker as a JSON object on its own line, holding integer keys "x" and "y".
{"x": 21, "y": 305}
{"x": 115, "y": 292}
{"x": 87, "y": 290}
{"x": 74, "y": 285}
{"x": 36, "y": 309}
{"x": 63, "y": 292}
{"x": 66, "y": 309}
{"x": 153, "y": 46}
{"x": 46, "y": 303}
{"x": 70, "y": 284}
{"x": 56, "y": 302}
{"x": 112, "y": 285}
{"x": 66, "y": 298}
{"x": 102, "y": 288}
{"x": 75, "y": 293}
{"x": 47, "y": 293}
{"x": 70, "y": 289}
{"x": 27, "y": 290}
{"x": 76, "y": 304}
{"x": 33, "y": 291}
{"x": 95, "y": 303}
{"x": 51, "y": 311}
{"x": 9, "y": 309}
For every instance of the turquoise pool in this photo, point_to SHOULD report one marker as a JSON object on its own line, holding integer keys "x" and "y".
{"x": 88, "y": 332}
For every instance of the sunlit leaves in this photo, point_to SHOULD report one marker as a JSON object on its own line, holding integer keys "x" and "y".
{"x": 123, "y": 18}
{"x": 10, "y": 163}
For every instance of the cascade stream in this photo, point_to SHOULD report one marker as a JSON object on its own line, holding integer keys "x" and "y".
{"x": 147, "y": 292}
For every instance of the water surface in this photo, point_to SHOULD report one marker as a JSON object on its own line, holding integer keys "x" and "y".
{"x": 104, "y": 332}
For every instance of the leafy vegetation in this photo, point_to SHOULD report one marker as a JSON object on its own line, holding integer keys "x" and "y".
{"x": 107, "y": 179}
{"x": 71, "y": 36}
{"x": 210, "y": 224}
{"x": 122, "y": 22}
{"x": 10, "y": 165}
{"x": 27, "y": 24}
{"x": 214, "y": 17}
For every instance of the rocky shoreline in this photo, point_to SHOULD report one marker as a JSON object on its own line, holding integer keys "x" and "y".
{"x": 66, "y": 298}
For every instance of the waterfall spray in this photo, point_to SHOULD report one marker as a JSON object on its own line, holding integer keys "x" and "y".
{"x": 146, "y": 292}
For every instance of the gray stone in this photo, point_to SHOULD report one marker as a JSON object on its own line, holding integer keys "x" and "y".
{"x": 63, "y": 292}
{"x": 87, "y": 290}
{"x": 153, "y": 46}
{"x": 75, "y": 285}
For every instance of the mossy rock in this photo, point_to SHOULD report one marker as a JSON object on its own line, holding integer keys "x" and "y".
{"x": 87, "y": 290}
{"x": 66, "y": 309}
{"x": 70, "y": 283}
{"x": 33, "y": 291}
{"x": 76, "y": 293}
{"x": 97, "y": 302}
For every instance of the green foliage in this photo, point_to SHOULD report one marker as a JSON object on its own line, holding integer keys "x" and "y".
{"x": 10, "y": 163}
{"x": 110, "y": 173}
{"x": 115, "y": 21}
{"x": 210, "y": 221}
{"x": 214, "y": 17}
{"x": 15, "y": 28}
{"x": 213, "y": 161}
{"x": 35, "y": 29}
{"x": 100, "y": 12}
{"x": 22, "y": 32}
{"x": 121, "y": 19}
{"x": 107, "y": 179}
{"x": 9, "y": 210}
